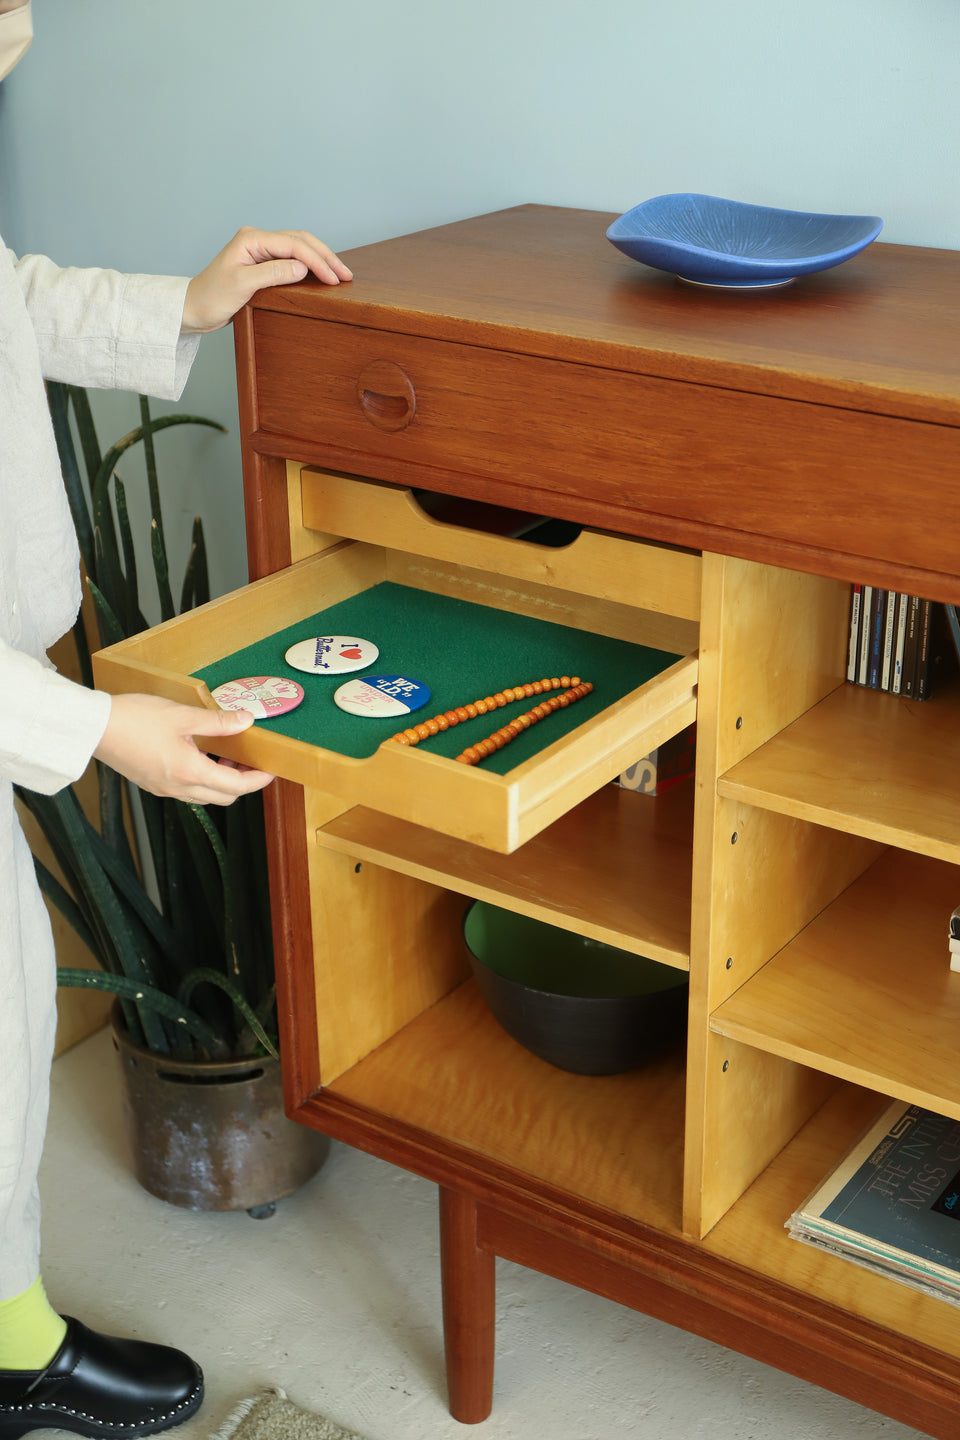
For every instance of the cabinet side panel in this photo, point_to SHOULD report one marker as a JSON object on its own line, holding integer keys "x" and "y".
{"x": 304, "y": 539}
{"x": 386, "y": 947}
{"x": 772, "y": 645}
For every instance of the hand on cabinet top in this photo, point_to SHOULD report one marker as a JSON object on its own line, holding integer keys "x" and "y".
{"x": 252, "y": 261}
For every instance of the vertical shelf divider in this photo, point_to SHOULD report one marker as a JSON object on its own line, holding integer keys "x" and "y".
{"x": 772, "y": 645}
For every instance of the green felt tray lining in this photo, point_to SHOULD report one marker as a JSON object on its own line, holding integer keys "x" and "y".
{"x": 462, "y": 651}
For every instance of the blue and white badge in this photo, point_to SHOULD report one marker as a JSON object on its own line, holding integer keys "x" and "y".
{"x": 382, "y": 696}
{"x": 332, "y": 654}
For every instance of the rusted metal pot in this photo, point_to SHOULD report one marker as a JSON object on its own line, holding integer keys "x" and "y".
{"x": 212, "y": 1136}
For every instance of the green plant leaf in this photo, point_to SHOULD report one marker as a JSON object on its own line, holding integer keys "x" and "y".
{"x": 109, "y": 576}
{"x": 83, "y": 651}
{"x": 58, "y": 400}
{"x": 167, "y": 611}
{"x": 111, "y": 631}
{"x": 65, "y": 903}
{"x": 212, "y": 977}
{"x": 206, "y": 870}
{"x": 113, "y": 828}
{"x": 196, "y": 580}
{"x": 203, "y": 574}
{"x": 131, "y": 889}
{"x": 87, "y": 431}
{"x": 150, "y": 460}
{"x": 46, "y": 810}
{"x": 231, "y": 954}
{"x": 133, "y": 618}
{"x": 150, "y": 1000}
{"x": 104, "y": 900}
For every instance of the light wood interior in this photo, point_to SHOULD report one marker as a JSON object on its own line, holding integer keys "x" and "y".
{"x": 752, "y": 1233}
{"x": 609, "y": 567}
{"x": 772, "y": 646}
{"x": 869, "y": 763}
{"x": 616, "y": 868}
{"x": 455, "y": 1073}
{"x": 865, "y": 992}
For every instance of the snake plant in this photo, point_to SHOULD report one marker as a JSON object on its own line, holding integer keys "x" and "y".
{"x": 183, "y": 941}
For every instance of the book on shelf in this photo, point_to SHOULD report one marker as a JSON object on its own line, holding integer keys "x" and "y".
{"x": 892, "y": 1204}
{"x": 878, "y": 611}
{"x": 953, "y": 936}
{"x": 900, "y": 643}
{"x": 853, "y": 649}
{"x": 889, "y": 629}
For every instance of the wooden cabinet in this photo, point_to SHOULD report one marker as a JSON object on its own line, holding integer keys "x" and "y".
{"x": 736, "y": 460}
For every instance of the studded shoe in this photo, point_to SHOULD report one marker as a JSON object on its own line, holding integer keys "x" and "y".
{"x": 98, "y": 1385}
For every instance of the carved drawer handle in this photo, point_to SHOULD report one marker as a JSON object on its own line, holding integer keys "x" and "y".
{"x": 386, "y": 394}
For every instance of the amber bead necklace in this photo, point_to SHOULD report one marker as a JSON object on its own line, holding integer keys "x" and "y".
{"x": 573, "y": 689}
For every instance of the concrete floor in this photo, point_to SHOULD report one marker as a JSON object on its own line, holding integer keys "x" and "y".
{"x": 335, "y": 1299}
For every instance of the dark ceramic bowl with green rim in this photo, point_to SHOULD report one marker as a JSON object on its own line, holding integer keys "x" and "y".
{"x": 577, "y": 1003}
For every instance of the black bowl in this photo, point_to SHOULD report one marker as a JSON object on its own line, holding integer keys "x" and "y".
{"x": 577, "y": 1003}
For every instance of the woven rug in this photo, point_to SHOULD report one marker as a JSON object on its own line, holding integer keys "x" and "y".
{"x": 271, "y": 1416}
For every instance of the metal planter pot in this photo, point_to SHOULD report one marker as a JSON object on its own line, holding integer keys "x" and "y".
{"x": 212, "y": 1136}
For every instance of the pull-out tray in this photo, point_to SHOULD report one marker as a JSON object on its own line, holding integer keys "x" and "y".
{"x": 641, "y": 696}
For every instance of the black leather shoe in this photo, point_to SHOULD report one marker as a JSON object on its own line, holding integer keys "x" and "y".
{"x": 98, "y": 1385}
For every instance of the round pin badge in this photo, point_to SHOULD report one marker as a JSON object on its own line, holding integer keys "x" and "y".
{"x": 265, "y": 696}
{"x": 332, "y": 654}
{"x": 381, "y": 696}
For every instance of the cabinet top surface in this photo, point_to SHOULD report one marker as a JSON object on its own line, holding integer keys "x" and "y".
{"x": 876, "y": 333}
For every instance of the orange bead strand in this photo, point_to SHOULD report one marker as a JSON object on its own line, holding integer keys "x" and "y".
{"x": 499, "y": 738}
{"x": 573, "y": 689}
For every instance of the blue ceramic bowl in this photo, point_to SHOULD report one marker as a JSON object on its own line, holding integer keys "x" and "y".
{"x": 727, "y": 244}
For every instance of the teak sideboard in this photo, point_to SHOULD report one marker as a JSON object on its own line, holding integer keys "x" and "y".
{"x": 734, "y": 461}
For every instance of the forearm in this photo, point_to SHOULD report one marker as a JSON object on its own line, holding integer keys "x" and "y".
{"x": 108, "y": 330}
{"x": 49, "y": 726}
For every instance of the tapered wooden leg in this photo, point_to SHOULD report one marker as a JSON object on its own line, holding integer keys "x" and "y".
{"x": 469, "y": 1296}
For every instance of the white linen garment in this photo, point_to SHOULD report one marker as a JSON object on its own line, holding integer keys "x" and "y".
{"x": 111, "y": 331}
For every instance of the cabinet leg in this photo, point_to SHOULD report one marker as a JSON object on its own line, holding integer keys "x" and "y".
{"x": 469, "y": 1293}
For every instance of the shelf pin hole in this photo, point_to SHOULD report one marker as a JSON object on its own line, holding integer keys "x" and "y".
{"x": 739, "y": 721}
{"x": 734, "y": 838}
{"x": 725, "y": 1066}
{"x": 729, "y": 962}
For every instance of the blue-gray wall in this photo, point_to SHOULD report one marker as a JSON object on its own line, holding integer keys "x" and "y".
{"x": 142, "y": 133}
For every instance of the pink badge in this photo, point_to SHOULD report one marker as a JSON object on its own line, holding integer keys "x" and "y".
{"x": 265, "y": 696}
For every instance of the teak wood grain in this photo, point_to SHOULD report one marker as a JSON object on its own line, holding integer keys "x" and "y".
{"x": 518, "y": 359}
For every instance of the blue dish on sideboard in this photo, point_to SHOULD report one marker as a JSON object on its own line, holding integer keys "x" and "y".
{"x": 731, "y": 245}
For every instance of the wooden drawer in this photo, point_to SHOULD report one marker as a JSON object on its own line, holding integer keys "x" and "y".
{"x": 430, "y": 413}
{"x": 609, "y": 568}
{"x": 499, "y": 811}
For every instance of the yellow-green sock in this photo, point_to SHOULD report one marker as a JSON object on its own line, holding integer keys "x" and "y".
{"x": 31, "y": 1331}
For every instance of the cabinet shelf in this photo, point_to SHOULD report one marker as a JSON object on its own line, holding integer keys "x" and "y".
{"x": 615, "y": 1140}
{"x": 865, "y": 992}
{"x": 752, "y": 1234}
{"x": 873, "y": 764}
{"x": 616, "y": 869}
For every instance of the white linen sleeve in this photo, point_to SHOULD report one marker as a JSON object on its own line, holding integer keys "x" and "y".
{"x": 49, "y": 725}
{"x": 107, "y": 330}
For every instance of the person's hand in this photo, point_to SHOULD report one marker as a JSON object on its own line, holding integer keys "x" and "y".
{"x": 150, "y": 740}
{"x": 253, "y": 260}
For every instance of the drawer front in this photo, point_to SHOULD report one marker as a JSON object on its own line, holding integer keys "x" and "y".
{"x": 499, "y": 811}
{"x": 819, "y": 477}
